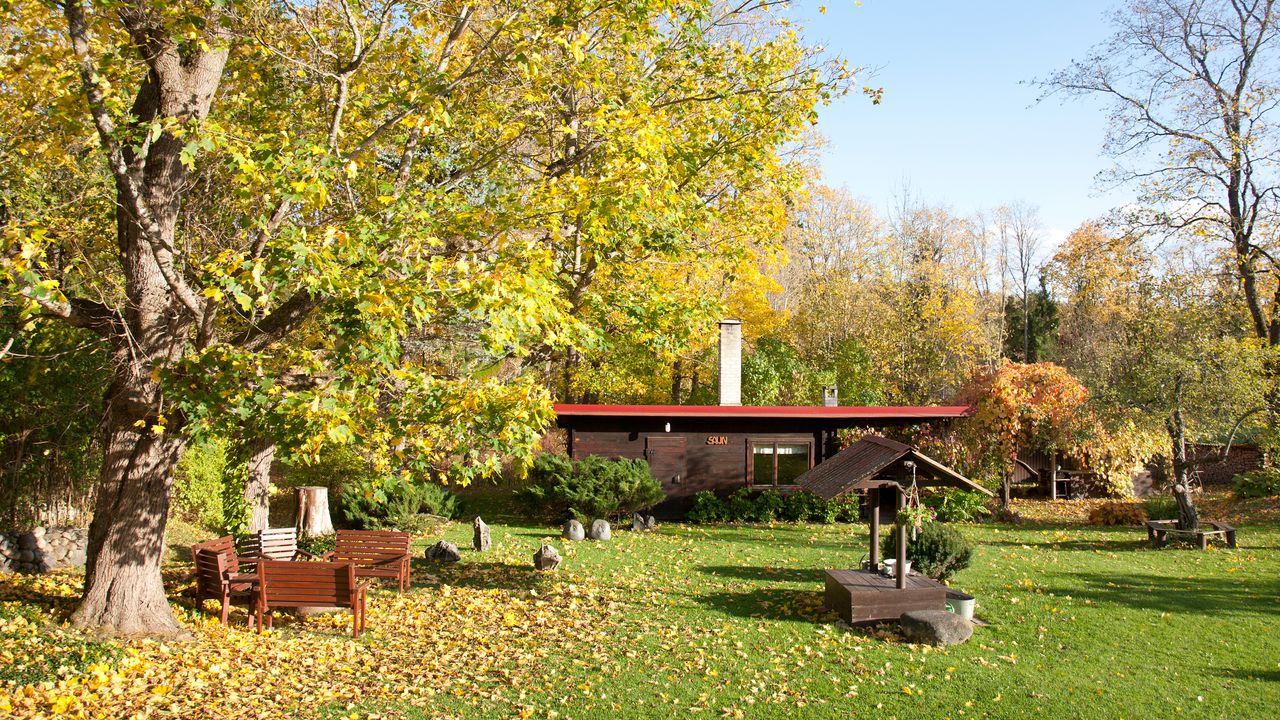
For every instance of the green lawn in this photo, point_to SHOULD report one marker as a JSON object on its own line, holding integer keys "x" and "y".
{"x": 721, "y": 621}
{"x": 699, "y": 621}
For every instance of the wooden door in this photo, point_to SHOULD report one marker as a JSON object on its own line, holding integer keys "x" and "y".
{"x": 666, "y": 457}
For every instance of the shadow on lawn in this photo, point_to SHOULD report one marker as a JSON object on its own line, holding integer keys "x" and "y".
{"x": 765, "y": 573}
{"x": 487, "y": 575}
{"x": 770, "y": 603}
{"x": 1117, "y": 544}
{"x": 1171, "y": 594}
{"x": 1239, "y": 674}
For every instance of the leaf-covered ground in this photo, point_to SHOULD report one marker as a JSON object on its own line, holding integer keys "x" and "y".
{"x": 711, "y": 622}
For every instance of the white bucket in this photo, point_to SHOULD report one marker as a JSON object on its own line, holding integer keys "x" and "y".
{"x": 890, "y": 567}
{"x": 960, "y": 604}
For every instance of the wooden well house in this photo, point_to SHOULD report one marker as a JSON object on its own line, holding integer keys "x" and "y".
{"x": 882, "y": 469}
{"x": 727, "y": 446}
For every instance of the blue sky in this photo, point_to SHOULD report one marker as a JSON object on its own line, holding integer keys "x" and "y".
{"x": 959, "y": 124}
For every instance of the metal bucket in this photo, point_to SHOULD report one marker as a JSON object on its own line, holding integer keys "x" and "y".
{"x": 960, "y": 604}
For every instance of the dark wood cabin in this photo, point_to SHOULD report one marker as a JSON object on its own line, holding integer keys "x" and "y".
{"x": 724, "y": 447}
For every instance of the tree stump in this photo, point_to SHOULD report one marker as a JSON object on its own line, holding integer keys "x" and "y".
{"x": 312, "y": 518}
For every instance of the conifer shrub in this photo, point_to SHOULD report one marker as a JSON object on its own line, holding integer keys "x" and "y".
{"x": 587, "y": 489}
{"x": 938, "y": 551}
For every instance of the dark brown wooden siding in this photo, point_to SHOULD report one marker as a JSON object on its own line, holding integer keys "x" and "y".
{"x": 719, "y": 465}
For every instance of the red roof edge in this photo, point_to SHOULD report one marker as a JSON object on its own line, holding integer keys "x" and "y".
{"x": 922, "y": 412}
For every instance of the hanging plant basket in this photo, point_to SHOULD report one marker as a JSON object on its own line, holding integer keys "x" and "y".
{"x": 913, "y": 514}
{"x": 915, "y": 518}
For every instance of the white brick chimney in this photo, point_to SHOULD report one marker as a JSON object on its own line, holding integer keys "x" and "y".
{"x": 730, "y": 362}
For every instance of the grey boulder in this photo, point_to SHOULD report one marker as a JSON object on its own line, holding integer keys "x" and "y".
{"x": 641, "y": 523}
{"x": 481, "y": 539}
{"x": 444, "y": 551}
{"x": 935, "y": 627}
{"x": 600, "y": 530}
{"x": 546, "y": 558}
{"x": 573, "y": 531}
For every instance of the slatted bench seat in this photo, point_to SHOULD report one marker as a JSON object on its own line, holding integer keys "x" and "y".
{"x": 375, "y": 553}
{"x": 274, "y": 544}
{"x": 287, "y": 584}
{"x": 1160, "y": 531}
{"x": 219, "y": 577}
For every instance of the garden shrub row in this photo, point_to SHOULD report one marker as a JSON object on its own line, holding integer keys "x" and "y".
{"x": 746, "y": 505}
{"x": 1263, "y": 482}
{"x": 957, "y": 505}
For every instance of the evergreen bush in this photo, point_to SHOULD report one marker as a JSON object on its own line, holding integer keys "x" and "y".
{"x": 938, "y": 551}
{"x": 395, "y": 502}
{"x": 706, "y": 508}
{"x": 591, "y": 488}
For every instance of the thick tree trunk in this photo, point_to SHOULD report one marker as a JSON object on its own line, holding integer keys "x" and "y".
{"x": 257, "y": 489}
{"x": 152, "y": 328}
{"x": 124, "y": 593}
{"x": 312, "y": 519}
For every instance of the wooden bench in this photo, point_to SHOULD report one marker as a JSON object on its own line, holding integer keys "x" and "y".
{"x": 274, "y": 544}
{"x": 1160, "y": 531}
{"x": 288, "y": 584}
{"x": 376, "y": 553}
{"x": 218, "y": 576}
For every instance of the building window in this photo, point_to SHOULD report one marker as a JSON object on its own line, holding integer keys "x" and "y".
{"x": 778, "y": 463}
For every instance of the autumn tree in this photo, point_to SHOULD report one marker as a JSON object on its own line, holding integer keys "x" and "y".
{"x": 1192, "y": 88}
{"x": 665, "y": 217}
{"x": 1184, "y": 369}
{"x": 340, "y": 222}
{"x": 1019, "y": 405}
{"x": 1018, "y": 226}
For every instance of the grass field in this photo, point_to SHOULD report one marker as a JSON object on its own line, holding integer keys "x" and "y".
{"x": 728, "y": 622}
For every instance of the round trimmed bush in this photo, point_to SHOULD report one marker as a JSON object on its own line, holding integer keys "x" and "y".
{"x": 938, "y": 551}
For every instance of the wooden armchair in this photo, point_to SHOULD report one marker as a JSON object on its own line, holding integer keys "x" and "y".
{"x": 274, "y": 544}
{"x": 285, "y": 584}
{"x": 218, "y": 576}
{"x": 376, "y": 553}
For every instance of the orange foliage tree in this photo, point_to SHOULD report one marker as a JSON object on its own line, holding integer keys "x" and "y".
{"x": 1038, "y": 405}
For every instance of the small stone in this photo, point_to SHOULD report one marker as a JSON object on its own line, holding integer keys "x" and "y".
{"x": 600, "y": 530}
{"x": 650, "y": 523}
{"x": 935, "y": 627}
{"x": 444, "y": 551}
{"x": 481, "y": 539}
{"x": 573, "y": 531}
{"x": 637, "y": 523}
{"x": 38, "y": 532}
{"x": 26, "y": 556}
{"x": 546, "y": 558}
